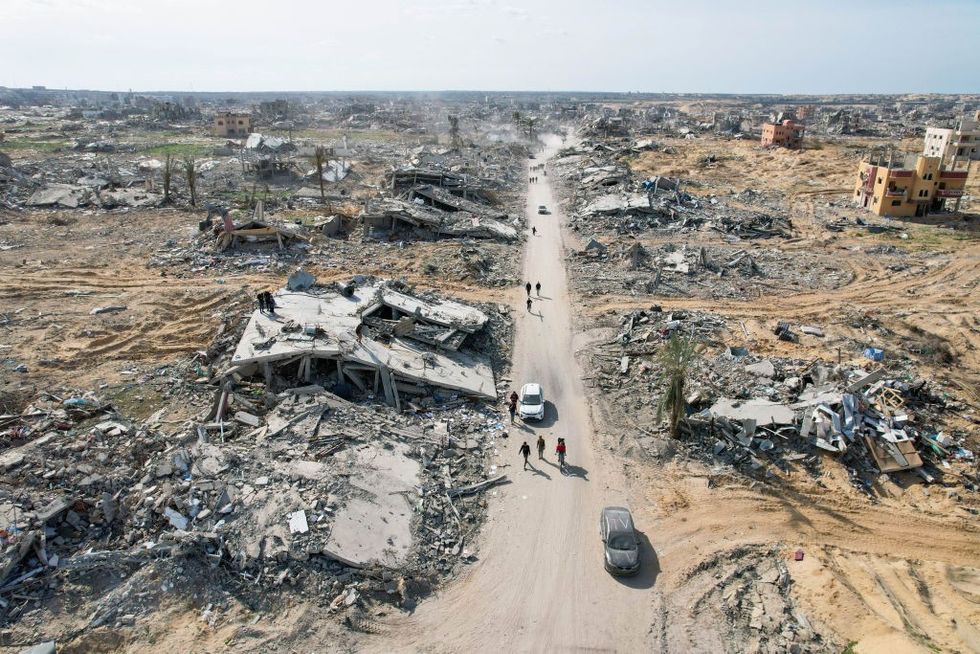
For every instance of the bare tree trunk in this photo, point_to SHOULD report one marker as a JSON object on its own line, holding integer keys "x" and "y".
{"x": 168, "y": 171}
{"x": 191, "y": 173}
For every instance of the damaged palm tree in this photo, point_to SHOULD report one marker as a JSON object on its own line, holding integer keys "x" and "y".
{"x": 320, "y": 160}
{"x": 676, "y": 357}
{"x": 191, "y": 172}
{"x": 168, "y": 173}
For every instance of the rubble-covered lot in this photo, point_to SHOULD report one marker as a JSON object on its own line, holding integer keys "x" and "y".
{"x": 864, "y": 471}
{"x": 183, "y": 479}
{"x": 144, "y": 478}
{"x": 713, "y": 271}
{"x": 768, "y": 415}
{"x": 90, "y": 489}
{"x": 158, "y": 493}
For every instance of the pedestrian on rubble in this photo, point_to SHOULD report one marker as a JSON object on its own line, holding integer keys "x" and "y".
{"x": 560, "y": 450}
{"x": 261, "y": 298}
{"x": 270, "y": 303}
{"x": 512, "y": 408}
{"x": 525, "y": 452}
{"x": 537, "y": 288}
{"x": 527, "y": 287}
{"x": 359, "y": 331}
{"x": 540, "y": 446}
{"x": 529, "y": 304}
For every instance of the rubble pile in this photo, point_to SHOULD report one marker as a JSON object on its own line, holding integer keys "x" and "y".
{"x": 267, "y": 492}
{"x": 757, "y": 413}
{"x": 715, "y": 271}
{"x": 749, "y": 591}
{"x": 266, "y": 484}
{"x": 601, "y": 194}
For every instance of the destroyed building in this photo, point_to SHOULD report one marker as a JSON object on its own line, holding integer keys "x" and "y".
{"x": 786, "y": 134}
{"x": 392, "y": 218}
{"x": 268, "y": 156}
{"x": 273, "y": 110}
{"x": 369, "y": 336}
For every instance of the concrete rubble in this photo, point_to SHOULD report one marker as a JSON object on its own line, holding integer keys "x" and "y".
{"x": 769, "y": 414}
{"x": 603, "y": 195}
{"x": 299, "y": 487}
{"x": 316, "y": 334}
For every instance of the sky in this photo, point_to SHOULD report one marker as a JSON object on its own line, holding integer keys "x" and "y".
{"x": 681, "y": 46}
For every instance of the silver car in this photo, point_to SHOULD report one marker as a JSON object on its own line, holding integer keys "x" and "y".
{"x": 620, "y": 545}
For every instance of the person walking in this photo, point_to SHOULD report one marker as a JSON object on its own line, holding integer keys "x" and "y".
{"x": 525, "y": 452}
{"x": 512, "y": 408}
{"x": 527, "y": 287}
{"x": 529, "y": 304}
{"x": 534, "y": 231}
{"x": 561, "y": 449}
{"x": 540, "y": 446}
{"x": 537, "y": 288}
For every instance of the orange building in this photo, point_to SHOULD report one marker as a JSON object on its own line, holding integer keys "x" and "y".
{"x": 888, "y": 189}
{"x": 787, "y": 134}
{"x": 228, "y": 124}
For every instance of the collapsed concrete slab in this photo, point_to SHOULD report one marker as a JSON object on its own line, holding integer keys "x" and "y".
{"x": 318, "y": 329}
{"x": 397, "y": 216}
{"x": 61, "y": 195}
{"x": 376, "y": 525}
{"x": 764, "y": 412}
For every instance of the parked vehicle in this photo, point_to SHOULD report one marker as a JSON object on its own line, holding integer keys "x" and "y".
{"x": 531, "y": 402}
{"x": 543, "y": 210}
{"x": 620, "y": 544}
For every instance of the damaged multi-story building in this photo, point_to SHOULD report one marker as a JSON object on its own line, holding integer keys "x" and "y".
{"x": 785, "y": 134}
{"x": 371, "y": 336}
{"x": 229, "y": 124}
{"x": 915, "y": 186}
{"x": 961, "y": 142}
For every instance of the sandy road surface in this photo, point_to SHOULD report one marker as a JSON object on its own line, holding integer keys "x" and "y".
{"x": 539, "y": 584}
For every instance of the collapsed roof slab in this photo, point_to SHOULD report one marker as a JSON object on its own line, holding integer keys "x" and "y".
{"x": 325, "y": 322}
{"x": 440, "y": 312}
{"x": 387, "y": 214}
{"x": 376, "y": 526}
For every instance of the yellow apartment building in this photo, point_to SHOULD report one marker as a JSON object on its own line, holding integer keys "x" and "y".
{"x": 903, "y": 190}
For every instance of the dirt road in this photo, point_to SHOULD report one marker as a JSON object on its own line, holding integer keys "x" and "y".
{"x": 539, "y": 583}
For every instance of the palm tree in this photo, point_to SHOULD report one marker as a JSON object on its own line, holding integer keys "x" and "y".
{"x": 168, "y": 172}
{"x": 675, "y": 357}
{"x": 191, "y": 172}
{"x": 319, "y": 160}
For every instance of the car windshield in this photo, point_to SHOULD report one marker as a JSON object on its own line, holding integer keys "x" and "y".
{"x": 621, "y": 542}
{"x": 532, "y": 399}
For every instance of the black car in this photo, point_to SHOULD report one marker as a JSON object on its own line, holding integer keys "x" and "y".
{"x": 620, "y": 545}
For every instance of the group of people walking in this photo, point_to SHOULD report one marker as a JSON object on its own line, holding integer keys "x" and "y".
{"x": 560, "y": 449}
{"x": 537, "y": 290}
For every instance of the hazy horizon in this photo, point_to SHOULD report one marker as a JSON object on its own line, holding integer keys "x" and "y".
{"x": 759, "y": 47}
